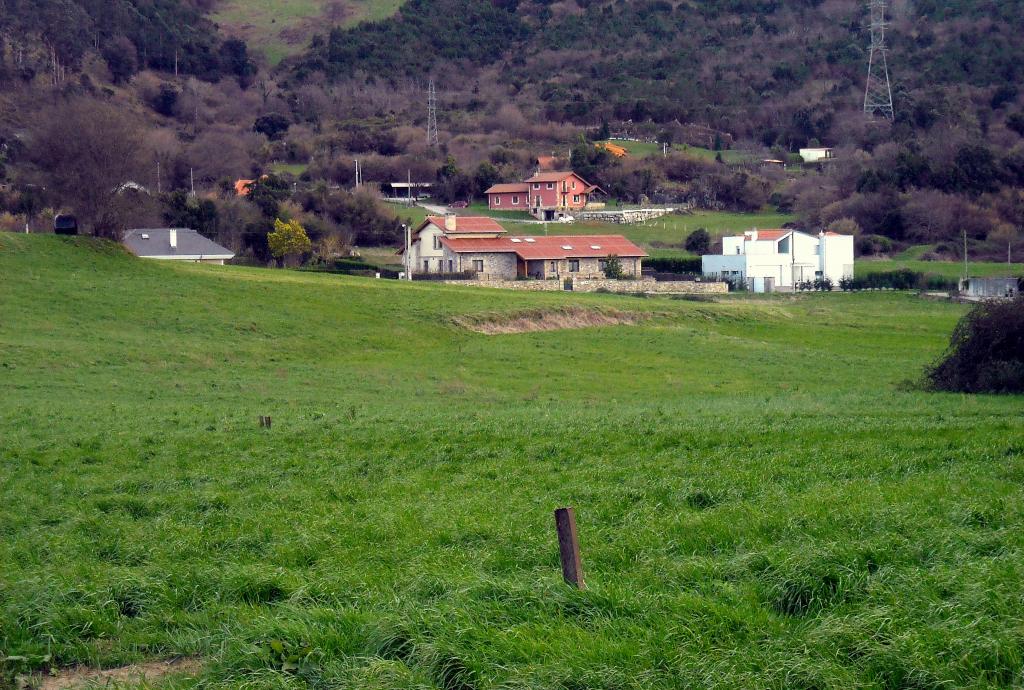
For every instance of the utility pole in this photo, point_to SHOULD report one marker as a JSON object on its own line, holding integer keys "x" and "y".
{"x": 432, "y": 135}
{"x": 192, "y": 181}
{"x": 408, "y": 251}
{"x": 966, "y": 271}
{"x": 359, "y": 174}
{"x": 158, "y": 189}
{"x": 878, "y": 94}
{"x": 410, "y": 187}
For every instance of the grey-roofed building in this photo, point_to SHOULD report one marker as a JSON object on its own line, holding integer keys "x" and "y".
{"x": 176, "y": 244}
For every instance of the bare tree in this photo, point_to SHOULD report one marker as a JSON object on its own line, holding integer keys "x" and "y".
{"x": 88, "y": 154}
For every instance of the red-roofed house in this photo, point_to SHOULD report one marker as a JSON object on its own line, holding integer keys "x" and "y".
{"x": 426, "y": 254}
{"x": 462, "y": 244}
{"x": 566, "y": 256}
{"x": 509, "y": 197}
{"x": 546, "y": 195}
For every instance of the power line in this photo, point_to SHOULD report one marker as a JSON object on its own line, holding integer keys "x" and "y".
{"x": 878, "y": 93}
{"x": 432, "y": 135}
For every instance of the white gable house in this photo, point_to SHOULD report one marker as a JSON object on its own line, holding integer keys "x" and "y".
{"x": 765, "y": 260}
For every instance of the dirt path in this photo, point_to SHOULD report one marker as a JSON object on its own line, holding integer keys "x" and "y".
{"x": 72, "y": 678}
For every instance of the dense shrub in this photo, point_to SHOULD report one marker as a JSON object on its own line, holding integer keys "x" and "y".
{"x": 986, "y": 352}
{"x": 699, "y": 241}
{"x": 685, "y": 265}
{"x": 903, "y": 279}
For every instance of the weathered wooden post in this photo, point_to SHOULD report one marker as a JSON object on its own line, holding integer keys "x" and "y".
{"x": 264, "y": 422}
{"x": 569, "y": 547}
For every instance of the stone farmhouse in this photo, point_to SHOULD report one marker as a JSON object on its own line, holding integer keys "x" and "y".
{"x": 766, "y": 260}
{"x": 546, "y": 195}
{"x": 460, "y": 244}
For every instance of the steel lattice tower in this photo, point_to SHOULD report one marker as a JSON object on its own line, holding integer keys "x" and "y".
{"x": 432, "y": 137}
{"x": 878, "y": 95}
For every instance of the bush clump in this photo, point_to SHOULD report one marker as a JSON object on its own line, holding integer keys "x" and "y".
{"x": 986, "y": 352}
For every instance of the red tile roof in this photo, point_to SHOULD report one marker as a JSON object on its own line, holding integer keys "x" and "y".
{"x": 772, "y": 234}
{"x": 551, "y": 176}
{"x": 514, "y": 187}
{"x": 466, "y": 224}
{"x": 549, "y": 247}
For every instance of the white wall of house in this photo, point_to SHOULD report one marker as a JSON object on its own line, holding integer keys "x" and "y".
{"x": 792, "y": 259}
{"x": 815, "y": 155}
{"x": 427, "y": 253}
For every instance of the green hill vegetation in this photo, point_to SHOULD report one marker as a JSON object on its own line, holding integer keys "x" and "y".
{"x": 762, "y": 502}
{"x": 279, "y": 29}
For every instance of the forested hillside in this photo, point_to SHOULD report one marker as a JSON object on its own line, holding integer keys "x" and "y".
{"x": 518, "y": 79}
{"x": 157, "y": 34}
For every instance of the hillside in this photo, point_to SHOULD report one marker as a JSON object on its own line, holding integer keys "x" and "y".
{"x": 277, "y": 30}
{"x": 746, "y": 519}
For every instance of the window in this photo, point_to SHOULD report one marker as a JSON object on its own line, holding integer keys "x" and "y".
{"x": 574, "y": 266}
{"x": 478, "y": 265}
{"x": 551, "y": 185}
{"x": 784, "y": 246}
{"x": 451, "y": 266}
{"x": 515, "y": 201}
{"x": 437, "y": 242}
{"x": 426, "y": 265}
{"x": 602, "y": 264}
{"x": 575, "y": 198}
{"x": 737, "y": 250}
{"x": 536, "y": 201}
{"x": 536, "y": 185}
{"x": 554, "y": 267}
{"x": 574, "y": 185}
{"x": 497, "y": 200}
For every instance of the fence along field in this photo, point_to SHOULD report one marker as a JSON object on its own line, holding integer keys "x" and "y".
{"x": 761, "y": 501}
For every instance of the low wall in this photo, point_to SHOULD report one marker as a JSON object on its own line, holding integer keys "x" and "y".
{"x": 535, "y": 285}
{"x": 632, "y": 215}
{"x": 652, "y": 287}
{"x": 674, "y": 287}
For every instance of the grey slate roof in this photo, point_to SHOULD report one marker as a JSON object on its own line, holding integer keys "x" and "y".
{"x": 156, "y": 244}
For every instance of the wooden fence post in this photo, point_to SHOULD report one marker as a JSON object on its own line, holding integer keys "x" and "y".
{"x": 569, "y": 547}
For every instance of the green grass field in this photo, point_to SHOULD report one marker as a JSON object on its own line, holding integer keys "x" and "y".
{"x": 295, "y": 169}
{"x": 646, "y": 149}
{"x": 669, "y": 230}
{"x": 762, "y": 502}
{"x": 948, "y": 269}
{"x": 281, "y": 28}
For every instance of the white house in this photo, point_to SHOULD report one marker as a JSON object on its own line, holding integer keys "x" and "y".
{"x": 816, "y": 154}
{"x": 426, "y": 254}
{"x": 766, "y": 260}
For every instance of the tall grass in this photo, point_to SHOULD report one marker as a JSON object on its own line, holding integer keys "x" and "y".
{"x": 761, "y": 502}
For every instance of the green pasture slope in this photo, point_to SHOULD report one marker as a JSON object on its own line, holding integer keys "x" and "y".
{"x": 279, "y": 28}
{"x": 762, "y": 502}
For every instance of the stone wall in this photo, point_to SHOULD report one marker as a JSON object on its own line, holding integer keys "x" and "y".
{"x": 673, "y": 287}
{"x": 652, "y": 287}
{"x": 533, "y": 285}
{"x": 627, "y": 216}
{"x": 497, "y": 265}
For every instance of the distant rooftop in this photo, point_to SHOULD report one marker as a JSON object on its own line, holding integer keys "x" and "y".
{"x": 190, "y": 245}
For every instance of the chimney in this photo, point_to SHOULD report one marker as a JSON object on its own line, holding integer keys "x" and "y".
{"x": 449, "y": 222}
{"x": 173, "y": 237}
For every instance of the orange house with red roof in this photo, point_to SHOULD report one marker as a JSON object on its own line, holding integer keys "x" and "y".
{"x": 546, "y": 195}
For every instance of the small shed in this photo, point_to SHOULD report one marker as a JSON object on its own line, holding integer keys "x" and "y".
{"x": 991, "y": 288}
